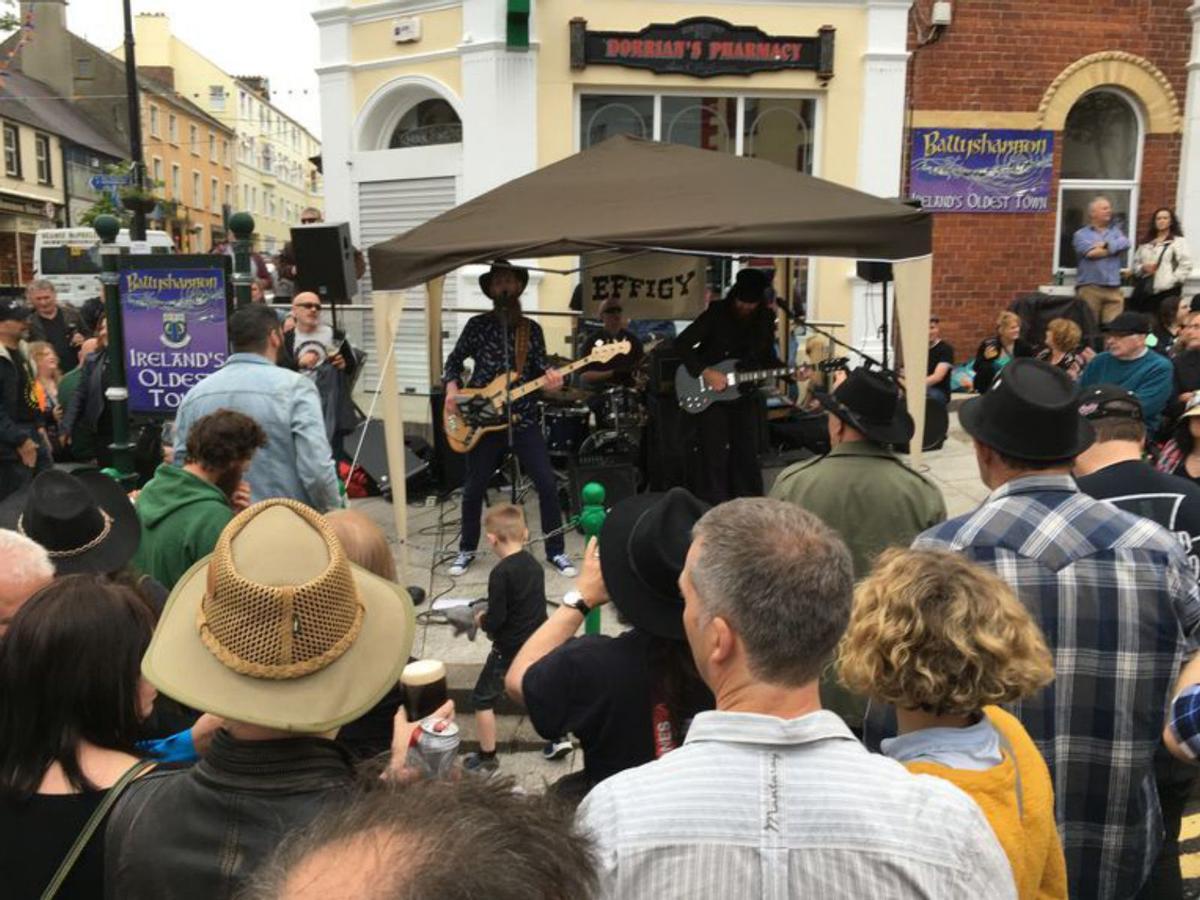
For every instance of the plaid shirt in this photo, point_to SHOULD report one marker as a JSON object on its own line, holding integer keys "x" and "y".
{"x": 1185, "y": 720}
{"x": 1120, "y": 609}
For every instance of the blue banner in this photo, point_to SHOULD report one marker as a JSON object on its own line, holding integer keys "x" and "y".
{"x": 981, "y": 170}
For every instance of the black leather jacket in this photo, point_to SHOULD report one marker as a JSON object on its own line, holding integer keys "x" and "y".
{"x": 200, "y": 832}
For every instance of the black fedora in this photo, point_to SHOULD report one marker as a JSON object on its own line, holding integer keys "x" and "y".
{"x": 502, "y": 265}
{"x": 751, "y": 286}
{"x": 1031, "y": 412}
{"x": 871, "y": 403}
{"x": 643, "y": 545}
{"x": 85, "y": 521}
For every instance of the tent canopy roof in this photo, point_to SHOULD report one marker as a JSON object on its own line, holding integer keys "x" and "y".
{"x": 632, "y": 194}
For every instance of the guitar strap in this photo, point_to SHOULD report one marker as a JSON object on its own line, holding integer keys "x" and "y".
{"x": 522, "y": 345}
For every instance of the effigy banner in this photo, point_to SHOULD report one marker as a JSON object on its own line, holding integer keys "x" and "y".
{"x": 981, "y": 170}
{"x": 175, "y": 331}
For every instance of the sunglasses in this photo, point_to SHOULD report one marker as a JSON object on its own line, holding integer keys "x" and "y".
{"x": 316, "y": 306}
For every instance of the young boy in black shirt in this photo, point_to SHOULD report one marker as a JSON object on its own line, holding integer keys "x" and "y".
{"x": 516, "y": 608}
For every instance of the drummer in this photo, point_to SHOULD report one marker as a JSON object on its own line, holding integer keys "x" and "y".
{"x": 618, "y": 371}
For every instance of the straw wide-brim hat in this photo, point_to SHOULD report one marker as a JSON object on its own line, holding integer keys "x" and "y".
{"x": 278, "y": 628}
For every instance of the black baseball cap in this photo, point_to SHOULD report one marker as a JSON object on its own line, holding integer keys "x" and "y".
{"x": 1128, "y": 323}
{"x": 1110, "y": 401}
{"x": 12, "y": 309}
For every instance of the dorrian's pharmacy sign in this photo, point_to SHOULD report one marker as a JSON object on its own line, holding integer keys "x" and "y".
{"x": 702, "y": 47}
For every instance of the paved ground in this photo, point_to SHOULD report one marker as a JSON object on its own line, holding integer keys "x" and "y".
{"x": 433, "y": 533}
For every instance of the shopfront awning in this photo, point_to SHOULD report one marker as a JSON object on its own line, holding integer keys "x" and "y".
{"x": 630, "y": 194}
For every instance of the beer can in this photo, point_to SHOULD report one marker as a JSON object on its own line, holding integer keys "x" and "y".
{"x": 434, "y": 748}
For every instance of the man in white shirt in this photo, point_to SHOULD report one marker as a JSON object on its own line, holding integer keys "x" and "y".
{"x": 770, "y": 796}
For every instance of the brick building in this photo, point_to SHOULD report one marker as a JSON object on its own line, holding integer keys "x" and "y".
{"x": 1108, "y": 79}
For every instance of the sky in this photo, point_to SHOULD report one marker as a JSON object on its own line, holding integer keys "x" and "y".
{"x": 275, "y": 38}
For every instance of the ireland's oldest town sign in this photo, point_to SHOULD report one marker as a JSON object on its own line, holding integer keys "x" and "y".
{"x": 702, "y": 47}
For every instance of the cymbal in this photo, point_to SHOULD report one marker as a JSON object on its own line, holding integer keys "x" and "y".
{"x": 565, "y": 395}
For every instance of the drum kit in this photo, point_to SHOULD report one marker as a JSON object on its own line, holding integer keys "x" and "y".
{"x": 578, "y": 422}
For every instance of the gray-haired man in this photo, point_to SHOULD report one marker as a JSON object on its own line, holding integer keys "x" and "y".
{"x": 770, "y": 795}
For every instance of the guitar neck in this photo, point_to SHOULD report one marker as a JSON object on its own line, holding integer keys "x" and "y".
{"x": 538, "y": 383}
{"x": 759, "y": 374}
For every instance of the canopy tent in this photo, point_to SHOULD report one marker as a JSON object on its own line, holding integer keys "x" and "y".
{"x": 633, "y": 195}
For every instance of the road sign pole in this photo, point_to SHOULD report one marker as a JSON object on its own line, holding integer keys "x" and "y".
{"x": 117, "y": 393}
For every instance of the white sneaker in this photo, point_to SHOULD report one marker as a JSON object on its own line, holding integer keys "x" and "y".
{"x": 562, "y": 562}
{"x": 461, "y": 563}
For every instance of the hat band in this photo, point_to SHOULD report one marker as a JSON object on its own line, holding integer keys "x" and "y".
{"x": 74, "y": 551}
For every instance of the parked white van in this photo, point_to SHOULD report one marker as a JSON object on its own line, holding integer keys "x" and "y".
{"x": 69, "y": 258}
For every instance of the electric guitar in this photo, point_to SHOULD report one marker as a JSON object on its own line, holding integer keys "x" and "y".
{"x": 695, "y": 395}
{"x": 483, "y": 409}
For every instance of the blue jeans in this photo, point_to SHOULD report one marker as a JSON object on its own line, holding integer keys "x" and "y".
{"x": 482, "y": 461}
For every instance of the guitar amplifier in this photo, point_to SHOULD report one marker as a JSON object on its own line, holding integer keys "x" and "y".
{"x": 612, "y": 464}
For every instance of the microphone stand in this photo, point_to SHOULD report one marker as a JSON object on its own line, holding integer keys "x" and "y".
{"x": 505, "y": 321}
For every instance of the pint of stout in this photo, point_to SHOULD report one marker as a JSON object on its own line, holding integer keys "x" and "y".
{"x": 424, "y": 683}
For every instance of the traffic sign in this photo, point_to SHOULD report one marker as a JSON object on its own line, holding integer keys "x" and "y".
{"x": 100, "y": 182}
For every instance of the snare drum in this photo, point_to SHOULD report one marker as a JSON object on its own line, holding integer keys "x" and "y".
{"x": 565, "y": 428}
{"x": 622, "y": 410}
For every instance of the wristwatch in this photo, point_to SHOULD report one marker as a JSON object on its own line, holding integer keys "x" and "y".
{"x": 574, "y": 600}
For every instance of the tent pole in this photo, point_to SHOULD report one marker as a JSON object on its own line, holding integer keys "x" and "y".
{"x": 388, "y": 307}
{"x": 433, "y": 328}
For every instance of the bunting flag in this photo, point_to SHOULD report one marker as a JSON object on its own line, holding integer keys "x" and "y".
{"x": 26, "y": 35}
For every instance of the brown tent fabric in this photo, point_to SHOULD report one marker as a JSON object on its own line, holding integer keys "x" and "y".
{"x": 631, "y": 194}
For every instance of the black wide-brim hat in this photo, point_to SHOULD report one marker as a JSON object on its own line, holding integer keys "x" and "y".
{"x": 1031, "y": 412}
{"x": 502, "y": 265}
{"x": 85, "y": 521}
{"x": 643, "y": 545}
{"x": 871, "y": 403}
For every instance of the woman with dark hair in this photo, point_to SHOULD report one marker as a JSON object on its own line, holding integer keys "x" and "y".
{"x": 1163, "y": 255}
{"x": 1167, "y": 324}
{"x": 72, "y": 699}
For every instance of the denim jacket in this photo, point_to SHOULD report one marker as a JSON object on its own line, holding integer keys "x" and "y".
{"x": 297, "y": 461}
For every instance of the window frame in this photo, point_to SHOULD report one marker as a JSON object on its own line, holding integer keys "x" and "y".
{"x": 176, "y": 182}
{"x": 194, "y": 139}
{"x": 153, "y": 116}
{"x": 173, "y": 128}
{"x": 1102, "y": 186}
{"x": 40, "y": 142}
{"x": 197, "y": 190}
{"x": 13, "y": 171}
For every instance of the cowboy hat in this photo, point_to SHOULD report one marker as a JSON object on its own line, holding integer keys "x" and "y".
{"x": 502, "y": 265}
{"x": 751, "y": 286}
{"x": 278, "y": 628}
{"x": 644, "y": 541}
{"x": 84, "y": 521}
{"x": 870, "y": 402}
{"x": 1031, "y": 412}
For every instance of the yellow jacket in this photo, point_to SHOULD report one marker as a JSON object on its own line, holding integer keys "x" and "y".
{"x": 1030, "y": 837}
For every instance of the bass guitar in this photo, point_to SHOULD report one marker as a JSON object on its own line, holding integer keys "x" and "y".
{"x": 695, "y": 395}
{"x": 483, "y": 409}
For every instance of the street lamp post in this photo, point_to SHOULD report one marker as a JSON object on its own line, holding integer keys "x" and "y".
{"x": 117, "y": 393}
{"x": 242, "y": 226}
{"x": 138, "y": 229}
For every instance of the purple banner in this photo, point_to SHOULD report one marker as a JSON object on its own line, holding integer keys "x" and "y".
{"x": 981, "y": 170}
{"x": 175, "y": 333}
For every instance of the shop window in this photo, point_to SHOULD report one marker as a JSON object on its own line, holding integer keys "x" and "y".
{"x": 1101, "y": 156}
{"x": 704, "y": 122}
{"x": 602, "y": 116}
{"x": 427, "y": 123}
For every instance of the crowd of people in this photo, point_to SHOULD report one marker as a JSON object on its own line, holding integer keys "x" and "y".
{"x": 834, "y": 690}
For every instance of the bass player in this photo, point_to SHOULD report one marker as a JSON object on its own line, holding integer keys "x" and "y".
{"x": 741, "y": 327}
{"x": 483, "y": 340}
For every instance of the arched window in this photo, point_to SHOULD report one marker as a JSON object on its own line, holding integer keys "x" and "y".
{"x": 1101, "y": 156}
{"x": 432, "y": 121}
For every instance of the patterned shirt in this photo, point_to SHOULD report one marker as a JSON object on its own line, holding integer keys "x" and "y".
{"x": 482, "y": 341}
{"x": 1119, "y": 607}
{"x": 757, "y": 806}
{"x": 1185, "y": 720}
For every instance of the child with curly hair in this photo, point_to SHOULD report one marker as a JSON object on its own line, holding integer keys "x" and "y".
{"x": 944, "y": 641}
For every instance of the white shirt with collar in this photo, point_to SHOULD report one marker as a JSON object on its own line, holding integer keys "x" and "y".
{"x": 755, "y": 806}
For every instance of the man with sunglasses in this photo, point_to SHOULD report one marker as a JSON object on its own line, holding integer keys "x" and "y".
{"x": 314, "y": 347}
{"x": 288, "y": 268}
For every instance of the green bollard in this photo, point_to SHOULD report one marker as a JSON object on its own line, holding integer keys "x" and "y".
{"x": 591, "y": 520}
{"x": 242, "y": 226}
{"x": 117, "y": 394}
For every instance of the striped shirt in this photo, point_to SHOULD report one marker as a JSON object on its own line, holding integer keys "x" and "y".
{"x": 1120, "y": 609}
{"x": 762, "y": 807}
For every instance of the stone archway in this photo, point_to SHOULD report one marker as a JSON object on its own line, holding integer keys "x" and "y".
{"x": 388, "y": 104}
{"x": 1137, "y": 76}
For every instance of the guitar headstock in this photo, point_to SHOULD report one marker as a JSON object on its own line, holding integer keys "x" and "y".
{"x": 604, "y": 352}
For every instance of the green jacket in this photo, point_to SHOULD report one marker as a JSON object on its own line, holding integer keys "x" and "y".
{"x": 182, "y": 516}
{"x": 874, "y": 501}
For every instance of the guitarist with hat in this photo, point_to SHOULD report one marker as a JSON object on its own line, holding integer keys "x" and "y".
{"x": 483, "y": 340}
{"x": 741, "y": 327}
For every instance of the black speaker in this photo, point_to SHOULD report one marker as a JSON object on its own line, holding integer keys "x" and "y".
{"x": 671, "y": 454}
{"x": 449, "y": 468}
{"x": 874, "y": 272}
{"x": 618, "y": 474}
{"x": 325, "y": 261}
{"x": 372, "y": 457}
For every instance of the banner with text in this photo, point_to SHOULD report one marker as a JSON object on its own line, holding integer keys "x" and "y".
{"x": 175, "y": 333}
{"x": 981, "y": 170}
{"x": 649, "y": 286}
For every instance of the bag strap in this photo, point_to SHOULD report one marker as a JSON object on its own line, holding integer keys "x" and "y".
{"x": 1007, "y": 746}
{"x": 98, "y": 815}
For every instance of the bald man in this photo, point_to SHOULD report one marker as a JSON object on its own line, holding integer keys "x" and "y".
{"x": 312, "y": 346}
